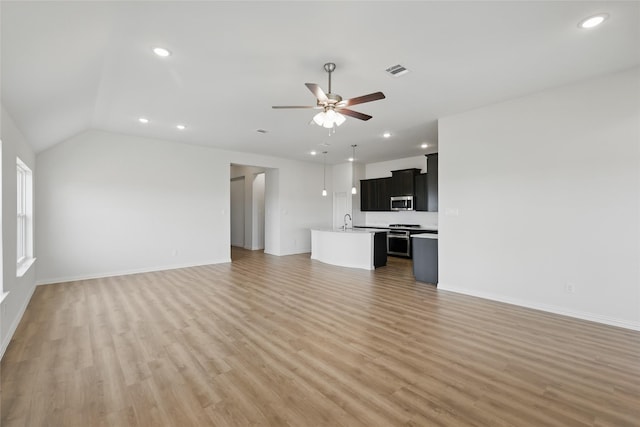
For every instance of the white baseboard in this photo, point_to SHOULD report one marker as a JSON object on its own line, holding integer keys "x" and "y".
{"x": 544, "y": 307}
{"x": 15, "y": 323}
{"x": 126, "y": 272}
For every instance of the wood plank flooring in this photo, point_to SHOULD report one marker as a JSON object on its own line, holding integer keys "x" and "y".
{"x": 288, "y": 341}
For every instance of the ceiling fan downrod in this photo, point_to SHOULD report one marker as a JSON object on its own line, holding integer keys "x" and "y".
{"x": 329, "y": 67}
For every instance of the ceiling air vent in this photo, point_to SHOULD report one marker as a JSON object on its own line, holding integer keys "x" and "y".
{"x": 397, "y": 70}
{"x": 262, "y": 130}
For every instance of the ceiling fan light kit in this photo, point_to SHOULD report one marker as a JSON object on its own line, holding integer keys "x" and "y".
{"x": 333, "y": 106}
{"x": 329, "y": 119}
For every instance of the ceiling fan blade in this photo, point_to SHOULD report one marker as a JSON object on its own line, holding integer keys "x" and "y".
{"x": 354, "y": 114}
{"x": 361, "y": 99}
{"x": 315, "y": 107}
{"x": 317, "y": 92}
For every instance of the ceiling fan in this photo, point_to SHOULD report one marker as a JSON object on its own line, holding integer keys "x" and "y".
{"x": 334, "y": 108}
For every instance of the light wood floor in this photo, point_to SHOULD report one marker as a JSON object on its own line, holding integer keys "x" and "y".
{"x": 287, "y": 341}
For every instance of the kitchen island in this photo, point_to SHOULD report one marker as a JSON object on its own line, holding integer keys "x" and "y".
{"x": 355, "y": 248}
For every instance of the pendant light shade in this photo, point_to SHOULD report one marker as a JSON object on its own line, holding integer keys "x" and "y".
{"x": 353, "y": 170}
{"x": 324, "y": 174}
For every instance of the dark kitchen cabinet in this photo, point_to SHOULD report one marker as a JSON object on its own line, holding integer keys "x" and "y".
{"x": 383, "y": 199}
{"x": 425, "y": 258}
{"x": 426, "y": 186}
{"x": 380, "y": 249}
{"x": 367, "y": 195}
{"x": 432, "y": 182}
{"x": 402, "y": 182}
{"x": 375, "y": 194}
{"x": 421, "y": 197}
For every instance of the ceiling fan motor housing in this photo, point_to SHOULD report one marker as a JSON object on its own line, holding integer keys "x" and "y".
{"x": 334, "y": 99}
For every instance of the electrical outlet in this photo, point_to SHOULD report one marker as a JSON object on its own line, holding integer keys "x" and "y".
{"x": 570, "y": 288}
{"x": 174, "y": 252}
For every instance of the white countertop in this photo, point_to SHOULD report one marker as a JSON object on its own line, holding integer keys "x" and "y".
{"x": 425, "y": 236}
{"x": 349, "y": 230}
{"x": 386, "y": 227}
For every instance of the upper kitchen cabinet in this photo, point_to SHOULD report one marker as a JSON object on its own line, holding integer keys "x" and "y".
{"x": 426, "y": 186}
{"x": 375, "y": 194}
{"x": 402, "y": 182}
{"x": 384, "y": 194}
{"x": 367, "y": 195}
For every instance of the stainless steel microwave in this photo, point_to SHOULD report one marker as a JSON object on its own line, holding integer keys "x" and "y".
{"x": 402, "y": 203}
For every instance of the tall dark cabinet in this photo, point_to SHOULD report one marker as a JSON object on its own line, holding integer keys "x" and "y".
{"x": 432, "y": 182}
{"x": 421, "y": 197}
{"x": 426, "y": 186}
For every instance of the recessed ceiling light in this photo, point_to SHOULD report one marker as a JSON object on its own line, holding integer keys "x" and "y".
{"x": 181, "y": 127}
{"x": 593, "y": 21}
{"x": 313, "y": 153}
{"x": 160, "y": 51}
{"x": 351, "y": 159}
{"x": 386, "y": 134}
{"x": 425, "y": 145}
{"x": 143, "y": 120}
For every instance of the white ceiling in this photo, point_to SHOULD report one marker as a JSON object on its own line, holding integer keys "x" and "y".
{"x": 72, "y": 66}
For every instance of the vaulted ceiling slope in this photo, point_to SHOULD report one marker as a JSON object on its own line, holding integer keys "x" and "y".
{"x": 72, "y": 66}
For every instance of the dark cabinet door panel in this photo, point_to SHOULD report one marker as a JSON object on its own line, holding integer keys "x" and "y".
{"x": 383, "y": 194}
{"x": 402, "y": 182}
{"x": 420, "y": 199}
{"x": 375, "y": 194}
{"x": 432, "y": 182}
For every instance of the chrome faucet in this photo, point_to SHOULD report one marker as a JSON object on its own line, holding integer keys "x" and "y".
{"x": 344, "y": 227}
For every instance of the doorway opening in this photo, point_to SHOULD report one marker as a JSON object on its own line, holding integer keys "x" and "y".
{"x": 247, "y": 207}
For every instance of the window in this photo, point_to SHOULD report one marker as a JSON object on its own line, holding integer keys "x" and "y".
{"x": 24, "y": 224}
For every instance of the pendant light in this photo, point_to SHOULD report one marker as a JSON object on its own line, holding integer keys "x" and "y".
{"x": 324, "y": 174}
{"x": 353, "y": 170}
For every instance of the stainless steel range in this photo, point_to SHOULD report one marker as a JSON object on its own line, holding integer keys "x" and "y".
{"x": 399, "y": 239}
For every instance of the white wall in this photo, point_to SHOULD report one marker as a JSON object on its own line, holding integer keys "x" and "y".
{"x": 272, "y": 231}
{"x": 301, "y": 204}
{"x": 19, "y": 289}
{"x": 237, "y": 211}
{"x": 115, "y": 204}
{"x": 540, "y": 195}
{"x": 358, "y": 216}
{"x": 342, "y": 178}
{"x": 257, "y": 212}
{"x": 382, "y": 170}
